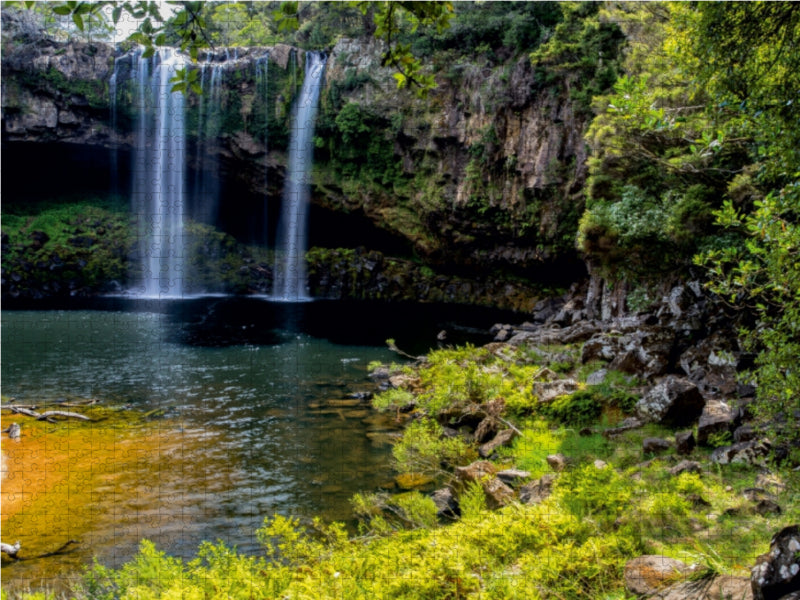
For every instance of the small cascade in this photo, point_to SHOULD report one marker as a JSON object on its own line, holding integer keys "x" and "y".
{"x": 159, "y": 175}
{"x": 209, "y": 114}
{"x": 290, "y": 266}
{"x": 112, "y": 97}
{"x": 262, "y": 88}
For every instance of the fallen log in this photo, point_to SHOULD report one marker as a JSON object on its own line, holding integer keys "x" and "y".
{"x": 46, "y": 415}
{"x": 9, "y": 549}
{"x": 13, "y": 550}
{"x": 63, "y": 413}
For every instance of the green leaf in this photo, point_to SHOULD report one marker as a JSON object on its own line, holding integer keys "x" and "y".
{"x": 62, "y": 10}
{"x": 115, "y": 14}
{"x": 78, "y": 20}
{"x": 289, "y": 8}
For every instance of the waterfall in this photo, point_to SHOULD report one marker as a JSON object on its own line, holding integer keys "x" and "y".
{"x": 262, "y": 87}
{"x": 112, "y": 97}
{"x": 159, "y": 174}
{"x": 209, "y": 114}
{"x": 290, "y": 265}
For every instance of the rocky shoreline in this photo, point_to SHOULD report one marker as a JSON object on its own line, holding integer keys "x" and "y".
{"x": 683, "y": 361}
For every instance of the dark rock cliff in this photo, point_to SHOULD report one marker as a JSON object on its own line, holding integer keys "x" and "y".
{"x": 482, "y": 179}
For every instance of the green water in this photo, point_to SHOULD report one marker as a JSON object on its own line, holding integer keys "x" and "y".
{"x": 272, "y": 426}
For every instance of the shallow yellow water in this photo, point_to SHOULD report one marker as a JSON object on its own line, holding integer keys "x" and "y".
{"x": 80, "y": 481}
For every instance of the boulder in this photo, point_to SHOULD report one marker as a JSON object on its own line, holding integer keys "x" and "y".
{"x": 547, "y": 391}
{"x": 684, "y": 442}
{"x": 537, "y": 491}
{"x": 744, "y": 433}
{"x": 486, "y": 430}
{"x": 686, "y": 466}
{"x": 513, "y": 476}
{"x": 600, "y": 347}
{"x": 626, "y": 425}
{"x": 579, "y": 332}
{"x": 446, "y": 503}
{"x": 717, "y": 418}
{"x": 720, "y": 587}
{"x": 767, "y": 506}
{"x": 557, "y": 462}
{"x": 14, "y": 431}
{"x": 597, "y": 377}
{"x": 647, "y": 574}
{"x": 777, "y": 573}
{"x": 475, "y": 471}
{"x": 745, "y": 452}
{"x": 654, "y": 445}
{"x": 629, "y": 361}
{"x": 498, "y": 494}
{"x": 503, "y": 438}
{"x": 675, "y": 401}
{"x": 771, "y": 482}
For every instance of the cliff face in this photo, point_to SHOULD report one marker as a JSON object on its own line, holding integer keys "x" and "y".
{"x": 484, "y": 175}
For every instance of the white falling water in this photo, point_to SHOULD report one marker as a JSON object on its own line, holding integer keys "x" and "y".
{"x": 209, "y": 114}
{"x": 290, "y": 266}
{"x": 112, "y": 97}
{"x": 159, "y": 175}
{"x": 262, "y": 87}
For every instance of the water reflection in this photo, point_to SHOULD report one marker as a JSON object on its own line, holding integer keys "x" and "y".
{"x": 255, "y": 417}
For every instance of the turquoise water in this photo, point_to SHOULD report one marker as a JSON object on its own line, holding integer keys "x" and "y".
{"x": 272, "y": 427}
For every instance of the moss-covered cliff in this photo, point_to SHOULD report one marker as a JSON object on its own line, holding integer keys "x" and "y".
{"x": 484, "y": 175}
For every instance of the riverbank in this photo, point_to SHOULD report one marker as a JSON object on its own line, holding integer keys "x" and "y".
{"x": 523, "y": 472}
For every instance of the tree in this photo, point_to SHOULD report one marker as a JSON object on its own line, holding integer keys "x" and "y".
{"x": 751, "y": 61}
{"x": 189, "y": 28}
{"x": 697, "y": 151}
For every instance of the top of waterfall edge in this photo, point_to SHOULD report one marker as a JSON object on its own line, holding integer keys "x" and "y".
{"x": 230, "y": 57}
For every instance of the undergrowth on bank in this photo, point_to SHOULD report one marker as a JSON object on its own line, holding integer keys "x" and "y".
{"x": 612, "y": 503}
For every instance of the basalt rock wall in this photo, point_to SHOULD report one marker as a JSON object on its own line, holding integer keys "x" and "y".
{"x": 482, "y": 176}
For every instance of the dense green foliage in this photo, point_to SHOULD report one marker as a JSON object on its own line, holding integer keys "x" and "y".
{"x": 696, "y": 152}
{"x": 66, "y": 249}
{"x": 84, "y": 247}
{"x": 695, "y": 159}
{"x": 573, "y": 544}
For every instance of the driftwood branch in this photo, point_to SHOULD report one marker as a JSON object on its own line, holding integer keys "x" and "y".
{"x": 393, "y": 347}
{"x": 13, "y": 550}
{"x": 9, "y": 549}
{"x": 48, "y": 414}
{"x": 509, "y": 425}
